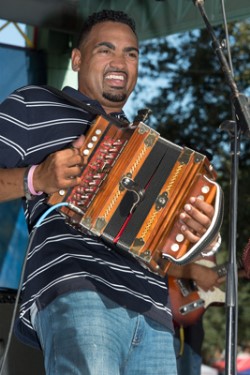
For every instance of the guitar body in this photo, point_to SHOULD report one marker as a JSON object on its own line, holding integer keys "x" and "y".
{"x": 181, "y": 301}
{"x": 188, "y": 301}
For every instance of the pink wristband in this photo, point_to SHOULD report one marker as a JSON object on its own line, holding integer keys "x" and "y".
{"x": 30, "y": 181}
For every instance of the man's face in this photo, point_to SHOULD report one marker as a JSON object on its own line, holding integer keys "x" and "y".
{"x": 107, "y": 62}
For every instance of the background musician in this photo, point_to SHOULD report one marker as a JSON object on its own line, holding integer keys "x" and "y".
{"x": 189, "y": 339}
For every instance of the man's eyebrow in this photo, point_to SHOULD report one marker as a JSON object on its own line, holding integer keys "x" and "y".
{"x": 112, "y": 46}
{"x": 129, "y": 49}
{"x": 106, "y": 44}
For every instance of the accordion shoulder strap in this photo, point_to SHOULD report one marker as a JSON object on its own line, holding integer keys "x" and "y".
{"x": 88, "y": 108}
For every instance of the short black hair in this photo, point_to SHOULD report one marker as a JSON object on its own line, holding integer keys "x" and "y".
{"x": 103, "y": 16}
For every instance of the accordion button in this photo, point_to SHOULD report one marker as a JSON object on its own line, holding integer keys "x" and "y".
{"x": 94, "y": 138}
{"x": 179, "y": 237}
{"x": 205, "y": 189}
{"x": 85, "y": 152}
{"x": 61, "y": 192}
{"x": 98, "y": 132}
{"x": 175, "y": 247}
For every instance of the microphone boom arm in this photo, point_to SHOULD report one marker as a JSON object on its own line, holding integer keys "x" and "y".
{"x": 240, "y": 101}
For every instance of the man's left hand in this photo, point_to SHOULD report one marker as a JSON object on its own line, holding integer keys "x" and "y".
{"x": 195, "y": 219}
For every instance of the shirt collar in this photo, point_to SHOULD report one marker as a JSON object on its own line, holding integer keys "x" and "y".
{"x": 76, "y": 94}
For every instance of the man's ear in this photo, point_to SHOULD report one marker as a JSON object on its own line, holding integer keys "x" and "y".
{"x": 75, "y": 59}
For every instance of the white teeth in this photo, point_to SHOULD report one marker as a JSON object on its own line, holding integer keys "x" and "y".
{"x": 113, "y": 76}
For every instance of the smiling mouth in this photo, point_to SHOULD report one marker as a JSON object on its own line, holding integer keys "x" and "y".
{"x": 116, "y": 79}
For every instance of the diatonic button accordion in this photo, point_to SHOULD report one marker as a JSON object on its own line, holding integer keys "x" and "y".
{"x": 134, "y": 184}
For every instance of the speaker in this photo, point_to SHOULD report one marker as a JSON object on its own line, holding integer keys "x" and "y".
{"x": 21, "y": 359}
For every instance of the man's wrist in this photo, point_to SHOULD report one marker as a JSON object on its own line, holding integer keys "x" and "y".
{"x": 28, "y": 186}
{"x": 215, "y": 247}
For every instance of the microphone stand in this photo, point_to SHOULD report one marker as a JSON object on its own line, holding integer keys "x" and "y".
{"x": 240, "y": 125}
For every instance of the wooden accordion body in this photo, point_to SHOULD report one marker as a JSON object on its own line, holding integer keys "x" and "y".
{"x": 133, "y": 185}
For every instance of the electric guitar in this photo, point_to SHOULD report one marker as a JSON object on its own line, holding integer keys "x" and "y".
{"x": 189, "y": 301}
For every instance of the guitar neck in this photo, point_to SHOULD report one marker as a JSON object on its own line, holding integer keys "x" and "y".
{"x": 221, "y": 270}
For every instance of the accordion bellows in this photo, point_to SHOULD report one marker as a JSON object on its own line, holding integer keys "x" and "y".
{"x": 133, "y": 185}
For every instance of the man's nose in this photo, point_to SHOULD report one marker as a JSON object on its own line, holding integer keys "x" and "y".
{"x": 118, "y": 61}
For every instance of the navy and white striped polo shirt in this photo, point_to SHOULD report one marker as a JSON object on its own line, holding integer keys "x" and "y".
{"x": 34, "y": 123}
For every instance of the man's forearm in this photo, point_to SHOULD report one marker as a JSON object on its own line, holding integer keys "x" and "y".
{"x": 186, "y": 271}
{"x": 11, "y": 184}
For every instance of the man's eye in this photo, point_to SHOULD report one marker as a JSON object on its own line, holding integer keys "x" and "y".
{"x": 104, "y": 51}
{"x": 133, "y": 55}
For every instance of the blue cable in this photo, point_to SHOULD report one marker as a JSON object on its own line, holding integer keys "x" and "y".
{"x": 46, "y": 213}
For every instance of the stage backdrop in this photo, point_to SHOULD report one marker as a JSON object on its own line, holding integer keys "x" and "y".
{"x": 18, "y": 67}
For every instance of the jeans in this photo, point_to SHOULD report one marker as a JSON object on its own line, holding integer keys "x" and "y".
{"x": 85, "y": 333}
{"x": 189, "y": 363}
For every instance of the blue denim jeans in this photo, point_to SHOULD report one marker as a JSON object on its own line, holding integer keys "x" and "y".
{"x": 85, "y": 333}
{"x": 189, "y": 363}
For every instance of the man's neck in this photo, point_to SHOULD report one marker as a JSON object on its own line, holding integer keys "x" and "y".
{"x": 115, "y": 109}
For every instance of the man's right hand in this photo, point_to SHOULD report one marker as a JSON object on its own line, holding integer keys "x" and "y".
{"x": 60, "y": 170}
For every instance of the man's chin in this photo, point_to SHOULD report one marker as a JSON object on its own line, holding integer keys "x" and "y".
{"x": 115, "y": 97}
